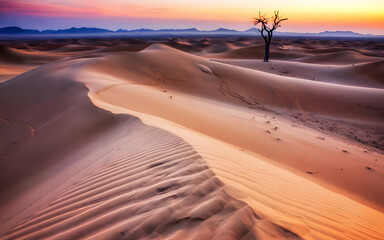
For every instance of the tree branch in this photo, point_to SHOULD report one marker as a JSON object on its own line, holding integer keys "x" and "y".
{"x": 263, "y": 21}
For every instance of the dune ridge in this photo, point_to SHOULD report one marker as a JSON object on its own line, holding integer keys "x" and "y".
{"x": 225, "y": 152}
{"x": 338, "y": 57}
{"x": 178, "y": 196}
{"x": 136, "y": 91}
{"x": 359, "y": 75}
{"x": 273, "y": 192}
{"x": 128, "y": 181}
{"x": 10, "y": 55}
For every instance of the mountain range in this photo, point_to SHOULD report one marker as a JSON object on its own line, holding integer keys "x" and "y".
{"x": 189, "y": 31}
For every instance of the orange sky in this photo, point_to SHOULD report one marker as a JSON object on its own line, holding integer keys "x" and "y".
{"x": 304, "y": 15}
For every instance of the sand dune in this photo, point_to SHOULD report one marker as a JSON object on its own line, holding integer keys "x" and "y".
{"x": 150, "y": 99}
{"x": 75, "y": 48}
{"x": 257, "y": 52}
{"x": 17, "y": 61}
{"x": 219, "y": 48}
{"x": 275, "y": 193}
{"x": 123, "y": 48}
{"x": 373, "y": 70}
{"x": 360, "y": 75}
{"x": 340, "y": 57}
{"x": 367, "y": 48}
{"x": 161, "y": 189}
{"x": 237, "y": 149}
{"x": 9, "y": 71}
{"x": 46, "y": 120}
{"x": 112, "y": 188}
{"x": 9, "y": 55}
{"x": 250, "y": 88}
{"x": 300, "y": 54}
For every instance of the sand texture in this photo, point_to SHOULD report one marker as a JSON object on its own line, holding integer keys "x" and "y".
{"x": 191, "y": 138}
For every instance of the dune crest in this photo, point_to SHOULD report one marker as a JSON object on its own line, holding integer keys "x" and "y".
{"x": 114, "y": 177}
{"x": 261, "y": 135}
{"x": 158, "y": 190}
{"x": 125, "y": 139}
{"x": 258, "y": 123}
{"x": 339, "y": 57}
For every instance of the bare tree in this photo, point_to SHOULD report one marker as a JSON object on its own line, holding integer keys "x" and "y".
{"x": 267, "y": 32}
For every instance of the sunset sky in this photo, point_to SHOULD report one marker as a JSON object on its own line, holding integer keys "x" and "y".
{"x": 364, "y": 16}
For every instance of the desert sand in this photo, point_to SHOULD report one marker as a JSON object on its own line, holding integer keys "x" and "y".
{"x": 191, "y": 138}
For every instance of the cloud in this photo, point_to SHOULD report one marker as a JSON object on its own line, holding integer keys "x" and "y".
{"x": 68, "y": 10}
{"x": 35, "y": 9}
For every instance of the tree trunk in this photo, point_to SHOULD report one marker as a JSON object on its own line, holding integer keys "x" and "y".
{"x": 266, "y": 55}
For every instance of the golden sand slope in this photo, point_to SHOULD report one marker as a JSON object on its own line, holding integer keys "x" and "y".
{"x": 156, "y": 186}
{"x": 190, "y": 94}
{"x": 79, "y": 172}
{"x": 284, "y": 198}
{"x": 360, "y": 75}
{"x": 341, "y": 57}
{"x": 16, "y": 61}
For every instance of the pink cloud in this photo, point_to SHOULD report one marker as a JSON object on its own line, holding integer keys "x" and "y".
{"x": 32, "y": 9}
{"x": 60, "y": 10}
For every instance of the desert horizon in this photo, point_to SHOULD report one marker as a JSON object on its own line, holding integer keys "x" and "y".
{"x": 251, "y": 31}
{"x": 184, "y": 136}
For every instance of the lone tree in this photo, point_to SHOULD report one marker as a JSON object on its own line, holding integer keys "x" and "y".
{"x": 267, "y": 32}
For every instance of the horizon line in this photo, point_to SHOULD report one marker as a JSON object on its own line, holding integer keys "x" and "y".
{"x": 191, "y": 28}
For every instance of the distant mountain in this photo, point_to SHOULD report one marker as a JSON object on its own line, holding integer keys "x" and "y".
{"x": 224, "y": 30}
{"x": 320, "y": 34}
{"x": 17, "y": 30}
{"x": 139, "y": 30}
{"x": 192, "y": 31}
{"x": 341, "y": 33}
{"x": 252, "y": 30}
{"x": 178, "y": 30}
{"x": 121, "y": 31}
{"x": 74, "y": 30}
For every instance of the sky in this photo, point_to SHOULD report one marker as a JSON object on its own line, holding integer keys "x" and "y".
{"x": 364, "y": 16}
